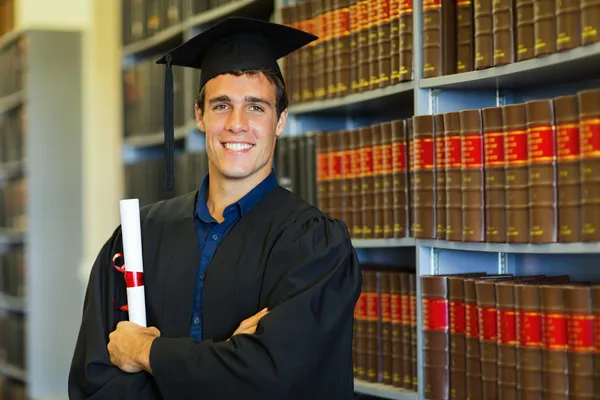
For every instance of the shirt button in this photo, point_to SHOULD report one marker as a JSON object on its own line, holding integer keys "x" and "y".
{"x": 196, "y": 320}
{"x": 215, "y": 236}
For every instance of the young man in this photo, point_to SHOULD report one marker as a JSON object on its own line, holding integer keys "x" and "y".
{"x": 250, "y": 291}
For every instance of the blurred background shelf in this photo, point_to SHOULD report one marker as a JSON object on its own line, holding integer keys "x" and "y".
{"x": 383, "y": 391}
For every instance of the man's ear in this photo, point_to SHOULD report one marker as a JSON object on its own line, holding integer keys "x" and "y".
{"x": 281, "y": 122}
{"x": 199, "y": 118}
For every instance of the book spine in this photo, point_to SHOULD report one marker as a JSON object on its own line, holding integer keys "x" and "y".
{"x": 343, "y": 52}
{"x": 439, "y": 33}
{"x": 494, "y": 164}
{"x": 378, "y": 176}
{"x": 590, "y": 22}
{"x": 457, "y": 343}
{"x": 323, "y": 169}
{"x": 400, "y": 178}
{"x": 353, "y": 40}
{"x": 516, "y": 174}
{"x": 555, "y": 357}
{"x": 473, "y": 351}
{"x": 568, "y": 24}
{"x": 484, "y": 34}
{"x": 386, "y": 328}
{"x": 542, "y": 171}
{"x": 503, "y": 32}
{"x": 465, "y": 33}
{"x": 440, "y": 177}
{"x": 472, "y": 182}
{"x": 372, "y": 325}
{"x": 395, "y": 40}
{"x": 567, "y": 168}
{"x": 507, "y": 340}
{"x": 360, "y": 328}
{"x": 317, "y": 73}
{"x": 398, "y": 349}
{"x": 412, "y": 291}
{"x": 524, "y": 30}
{"x": 367, "y": 203}
{"x": 405, "y": 35}
{"x": 363, "y": 46}
{"x": 388, "y": 180}
{"x": 330, "y": 60}
{"x": 530, "y": 338}
{"x": 374, "y": 19}
{"x": 355, "y": 166}
{"x": 423, "y": 177}
{"x": 488, "y": 337}
{"x": 347, "y": 179}
{"x": 544, "y": 17}
{"x": 589, "y": 131}
{"x": 335, "y": 174}
{"x": 452, "y": 167}
{"x": 407, "y": 381}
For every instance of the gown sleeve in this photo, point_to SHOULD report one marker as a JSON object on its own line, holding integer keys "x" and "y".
{"x": 92, "y": 375}
{"x": 313, "y": 281}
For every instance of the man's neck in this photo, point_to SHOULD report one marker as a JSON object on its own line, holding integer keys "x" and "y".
{"x": 222, "y": 191}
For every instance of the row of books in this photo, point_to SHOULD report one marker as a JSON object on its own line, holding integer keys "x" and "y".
{"x": 12, "y": 134}
{"x": 508, "y": 337}
{"x": 13, "y": 204}
{"x": 13, "y": 272}
{"x": 13, "y": 68}
{"x": 462, "y": 36}
{"x": 295, "y": 165}
{"x": 520, "y": 173}
{"x": 12, "y": 390}
{"x": 363, "y": 45}
{"x": 7, "y": 16}
{"x": 143, "y": 92}
{"x": 385, "y": 328}
{"x": 12, "y": 340}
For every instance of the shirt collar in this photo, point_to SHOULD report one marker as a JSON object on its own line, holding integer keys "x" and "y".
{"x": 242, "y": 206}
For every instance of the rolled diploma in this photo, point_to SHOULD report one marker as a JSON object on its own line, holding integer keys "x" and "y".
{"x": 132, "y": 253}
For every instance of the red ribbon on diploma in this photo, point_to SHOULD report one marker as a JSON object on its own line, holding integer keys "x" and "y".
{"x": 132, "y": 279}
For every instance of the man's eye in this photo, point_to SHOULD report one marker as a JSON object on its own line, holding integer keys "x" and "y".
{"x": 219, "y": 107}
{"x": 256, "y": 108}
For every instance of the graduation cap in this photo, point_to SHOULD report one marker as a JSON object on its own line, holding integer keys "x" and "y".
{"x": 236, "y": 43}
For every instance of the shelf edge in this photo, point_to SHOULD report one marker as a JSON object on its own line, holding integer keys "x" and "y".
{"x": 215, "y": 13}
{"x": 550, "y": 248}
{"x": 383, "y": 391}
{"x": 148, "y": 43}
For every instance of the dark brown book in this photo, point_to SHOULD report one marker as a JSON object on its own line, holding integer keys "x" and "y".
{"x": 525, "y": 30}
{"x": 331, "y": 51}
{"x": 335, "y": 173}
{"x": 395, "y": 38}
{"x": 373, "y": 20}
{"x": 555, "y": 358}
{"x": 568, "y": 24}
{"x": 354, "y": 15}
{"x": 589, "y": 125}
{"x": 440, "y": 177}
{"x": 542, "y": 171}
{"x": 472, "y": 174}
{"x": 286, "y": 12}
{"x": 322, "y": 150}
{"x": 484, "y": 34}
{"x": 343, "y": 52}
{"x": 412, "y": 290}
{"x": 590, "y": 21}
{"x": 504, "y": 32}
{"x": 453, "y": 157}
{"x": 346, "y": 179}
{"x": 362, "y": 46}
{"x": 578, "y": 302}
{"x": 400, "y": 178}
{"x": 474, "y": 390}
{"x": 397, "y": 330}
{"x": 406, "y": 41}
{"x": 439, "y": 38}
{"x": 516, "y": 173}
{"x": 356, "y": 182}
{"x": 465, "y": 32}
{"x": 378, "y": 174}
{"x": 387, "y": 189}
{"x": 318, "y": 51}
{"x": 360, "y": 330}
{"x": 567, "y": 168}
{"x": 407, "y": 364}
{"x": 495, "y": 198}
{"x": 373, "y": 328}
{"x": 305, "y": 54}
{"x": 367, "y": 181}
{"x": 386, "y": 375}
{"x": 384, "y": 43}
{"x": 544, "y": 17}
{"x": 507, "y": 340}
{"x": 422, "y": 148}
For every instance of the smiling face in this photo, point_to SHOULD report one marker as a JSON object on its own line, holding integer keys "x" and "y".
{"x": 241, "y": 125}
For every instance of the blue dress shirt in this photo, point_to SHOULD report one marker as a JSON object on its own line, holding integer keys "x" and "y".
{"x": 210, "y": 234}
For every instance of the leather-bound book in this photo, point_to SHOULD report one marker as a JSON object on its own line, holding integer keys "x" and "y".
{"x": 286, "y": 12}
{"x": 360, "y": 330}
{"x": 507, "y": 340}
{"x": 322, "y": 150}
{"x": 568, "y": 24}
{"x": 386, "y": 328}
{"x": 495, "y": 198}
{"x": 373, "y": 44}
{"x": 472, "y": 174}
{"x": 412, "y": 290}
{"x": 357, "y": 200}
{"x": 395, "y": 7}
{"x": 542, "y": 171}
{"x": 589, "y": 138}
{"x": 484, "y": 34}
{"x": 423, "y": 177}
{"x": 409, "y": 174}
{"x": 596, "y": 310}
{"x": 440, "y": 177}
{"x": 453, "y": 164}
{"x": 516, "y": 173}
{"x": 406, "y": 40}
{"x": 400, "y": 178}
{"x": 367, "y": 181}
{"x": 544, "y": 17}
{"x": 590, "y": 21}
{"x": 555, "y": 357}
{"x": 504, "y": 32}
{"x": 373, "y": 327}
{"x": 346, "y": 179}
{"x": 343, "y": 52}
{"x": 295, "y": 90}
{"x": 397, "y": 330}
{"x": 439, "y": 38}
{"x": 387, "y": 189}
{"x": 306, "y": 52}
{"x": 407, "y": 379}
{"x": 363, "y": 46}
{"x": 465, "y": 32}
{"x": 318, "y": 70}
{"x": 474, "y": 390}
{"x": 378, "y": 175}
{"x": 384, "y": 43}
{"x": 578, "y": 301}
{"x": 567, "y": 168}
{"x": 331, "y": 60}
{"x": 525, "y": 30}
{"x": 335, "y": 173}
{"x": 354, "y": 14}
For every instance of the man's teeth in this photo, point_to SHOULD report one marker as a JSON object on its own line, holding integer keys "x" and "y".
{"x": 237, "y": 146}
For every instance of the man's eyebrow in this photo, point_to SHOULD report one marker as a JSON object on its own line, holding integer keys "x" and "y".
{"x": 252, "y": 99}
{"x": 218, "y": 99}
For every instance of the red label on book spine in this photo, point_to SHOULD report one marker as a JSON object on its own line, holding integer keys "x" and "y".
{"x": 386, "y": 307}
{"x": 413, "y": 310}
{"x": 556, "y": 331}
{"x": 323, "y": 167}
{"x": 541, "y": 144}
{"x": 346, "y": 164}
{"x": 453, "y": 152}
{"x": 363, "y": 20}
{"x": 361, "y": 307}
{"x": 440, "y": 152}
{"x": 431, "y": 4}
{"x": 472, "y": 151}
{"x": 355, "y": 163}
{"x": 494, "y": 149}
{"x": 405, "y": 309}
{"x": 353, "y": 14}
{"x": 435, "y": 314}
{"x": 488, "y": 324}
{"x": 516, "y": 148}
{"x": 395, "y": 8}
{"x": 567, "y": 142}
{"x": 597, "y": 331}
{"x": 343, "y": 27}
{"x": 406, "y": 7}
{"x": 457, "y": 317}
{"x": 399, "y": 157}
{"x": 590, "y": 138}
{"x": 472, "y": 321}
{"x": 372, "y": 306}
{"x": 388, "y": 165}
{"x": 507, "y": 327}
{"x": 335, "y": 165}
{"x": 581, "y": 333}
{"x": 366, "y": 161}
{"x": 423, "y": 154}
{"x": 530, "y": 329}
{"x": 463, "y": 3}
{"x": 396, "y": 308}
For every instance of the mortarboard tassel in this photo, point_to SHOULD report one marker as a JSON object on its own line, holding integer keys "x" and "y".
{"x": 169, "y": 145}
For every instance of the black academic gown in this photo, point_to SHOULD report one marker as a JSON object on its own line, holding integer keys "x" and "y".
{"x": 284, "y": 254}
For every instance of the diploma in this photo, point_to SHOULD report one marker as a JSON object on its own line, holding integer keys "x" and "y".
{"x": 132, "y": 254}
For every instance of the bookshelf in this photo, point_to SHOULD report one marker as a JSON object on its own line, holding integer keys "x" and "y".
{"x": 558, "y": 73}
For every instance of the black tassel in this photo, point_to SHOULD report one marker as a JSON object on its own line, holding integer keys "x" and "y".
{"x": 169, "y": 145}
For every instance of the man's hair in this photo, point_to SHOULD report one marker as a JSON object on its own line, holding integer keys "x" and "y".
{"x": 281, "y": 98}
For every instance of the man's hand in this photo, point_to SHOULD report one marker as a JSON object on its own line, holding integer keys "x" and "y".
{"x": 248, "y": 326}
{"x": 129, "y": 346}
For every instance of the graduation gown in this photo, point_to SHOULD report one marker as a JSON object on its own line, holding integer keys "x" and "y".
{"x": 284, "y": 254}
